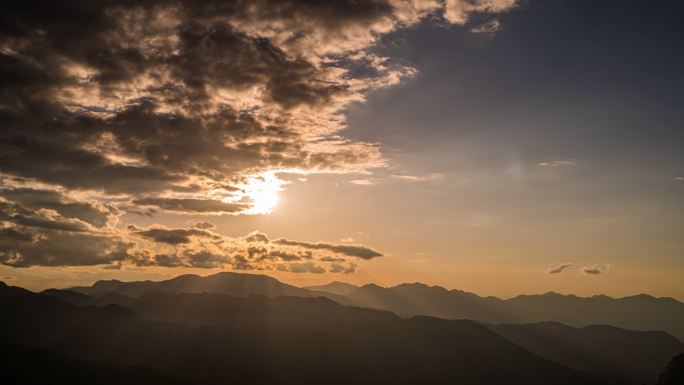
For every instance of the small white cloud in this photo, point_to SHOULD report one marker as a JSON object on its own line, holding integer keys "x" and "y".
{"x": 458, "y": 11}
{"x": 680, "y": 178}
{"x": 347, "y": 240}
{"x": 363, "y": 182}
{"x": 488, "y": 27}
{"x": 418, "y": 178}
{"x": 558, "y": 163}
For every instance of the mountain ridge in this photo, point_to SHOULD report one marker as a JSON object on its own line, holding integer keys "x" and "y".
{"x": 367, "y": 351}
{"x": 636, "y": 312}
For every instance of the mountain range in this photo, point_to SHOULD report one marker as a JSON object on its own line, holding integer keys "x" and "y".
{"x": 639, "y": 312}
{"x": 232, "y": 327}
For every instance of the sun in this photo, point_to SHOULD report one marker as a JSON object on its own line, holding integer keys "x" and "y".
{"x": 262, "y": 192}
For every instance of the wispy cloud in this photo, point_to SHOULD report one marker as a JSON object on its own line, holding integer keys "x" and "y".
{"x": 418, "y": 178}
{"x": 459, "y": 11}
{"x": 560, "y": 268}
{"x": 558, "y": 163}
{"x": 488, "y": 27}
{"x": 596, "y": 269}
{"x": 363, "y": 182}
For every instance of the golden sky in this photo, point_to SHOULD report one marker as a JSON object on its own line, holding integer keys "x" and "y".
{"x": 478, "y": 145}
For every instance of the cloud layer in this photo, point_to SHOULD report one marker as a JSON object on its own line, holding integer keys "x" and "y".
{"x": 116, "y": 107}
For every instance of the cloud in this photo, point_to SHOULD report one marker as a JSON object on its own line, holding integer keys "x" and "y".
{"x": 360, "y": 252}
{"x": 94, "y": 213}
{"x": 163, "y": 98}
{"x": 595, "y": 269}
{"x": 679, "y": 178}
{"x": 491, "y": 26}
{"x": 171, "y": 236}
{"x": 458, "y": 11}
{"x": 363, "y": 182}
{"x": 560, "y": 268}
{"x": 45, "y": 238}
{"x": 339, "y": 268}
{"x": 418, "y": 178}
{"x": 196, "y": 206}
{"x": 203, "y": 225}
{"x": 115, "y": 107}
{"x": 558, "y": 163}
{"x": 305, "y": 267}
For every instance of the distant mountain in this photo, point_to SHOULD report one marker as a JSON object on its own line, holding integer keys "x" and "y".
{"x": 674, "y": 373}
{"x": 637, "y": 356}
{"x": 335, "y": 287}
{"x": 236, "y": 312}
{"x": 235, "y": 284}
{"x": 69, "y": 296}
{"x": 639, "y": 312}
{"x": 29, "y": 366}
{"x": 239, "y": 285}
{"x": 420, "y": 299}
{"x": 373, "y": 349}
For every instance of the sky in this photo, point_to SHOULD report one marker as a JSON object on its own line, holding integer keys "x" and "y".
{"x": 495, "y": 146}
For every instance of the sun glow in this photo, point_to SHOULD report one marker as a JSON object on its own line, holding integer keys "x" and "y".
{"x": 262, "y": 192}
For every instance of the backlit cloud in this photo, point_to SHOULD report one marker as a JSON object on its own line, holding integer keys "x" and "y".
{"x": 595, "y": 269}
{"x": 184, "y": 107}
{"x": 560, "y": 268}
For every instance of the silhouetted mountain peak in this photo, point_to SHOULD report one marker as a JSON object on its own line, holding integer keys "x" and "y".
{"x": 371, "y": 286}
{"x": 106, "y": 284}
{"x": 418, "y": 286}
{"x": 674, "y": 372}
{"x": 335, "y": 287}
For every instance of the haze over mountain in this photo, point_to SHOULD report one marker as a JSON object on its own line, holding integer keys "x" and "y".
{"x": 250, "y": 302}
{"x": 637, "y": 356}
{"x": 335, "y": 287}
{"x": 370, "y": 348}
{"x": 235, "y": 284}
{"x": 640, "y": 312}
